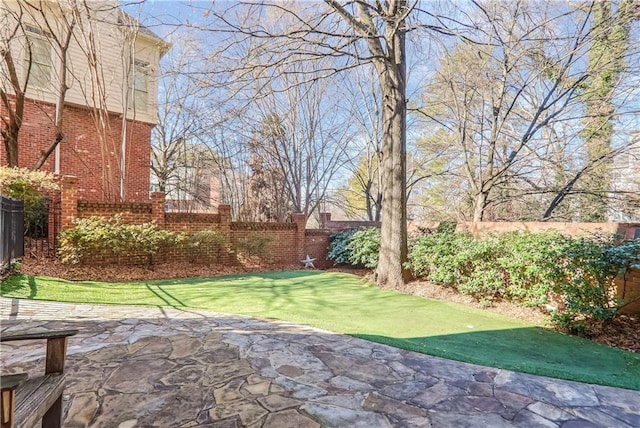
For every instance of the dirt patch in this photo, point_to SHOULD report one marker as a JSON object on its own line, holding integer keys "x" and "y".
{"x": 622, "y": 332}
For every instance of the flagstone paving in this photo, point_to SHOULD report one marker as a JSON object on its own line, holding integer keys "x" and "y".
{"x": 163, "y": 367}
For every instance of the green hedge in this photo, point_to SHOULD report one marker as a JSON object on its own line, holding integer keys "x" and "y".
{"x": 572, "y": 276}
{"x": 513, "y": 266}
{"x": 110, "y": 236}
{"x": 355, "y": 247}
{"x": 529, "y": 269}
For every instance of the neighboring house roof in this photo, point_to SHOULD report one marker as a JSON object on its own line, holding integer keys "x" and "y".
{"x": 111, "y": 70}
{"x": 125, "y": 19}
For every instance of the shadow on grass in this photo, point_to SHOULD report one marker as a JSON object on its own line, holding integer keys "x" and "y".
{"x": 17, "y": 282}
{"x": 532, "y": 350}
{"x": 33, "y": 288}
{"x": 295, "y": 274}
{"x": 152, "y": 290}
{"x": 273, "y": 290}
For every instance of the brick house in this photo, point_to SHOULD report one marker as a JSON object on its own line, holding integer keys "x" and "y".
{"x": 110, "y": 107}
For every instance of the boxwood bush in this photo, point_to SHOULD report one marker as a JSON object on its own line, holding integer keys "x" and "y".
{"x": 355, "y": 247}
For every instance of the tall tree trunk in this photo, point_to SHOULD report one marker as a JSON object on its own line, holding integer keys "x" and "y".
{"x": 14, "y": 109}
{"x": 367, "y": 200}
{"x": 10, "y": 148}
{"x": 479, "y": 206}
{"x": 393, "y": 241}
{"x": 606, "y": 63}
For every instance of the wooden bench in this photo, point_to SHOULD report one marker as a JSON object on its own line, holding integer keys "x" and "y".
{"x": 26, "y": 401}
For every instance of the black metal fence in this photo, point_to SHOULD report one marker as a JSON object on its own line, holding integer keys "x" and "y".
{"x": 11, "y": 231}
{"x": 42, "y": 228}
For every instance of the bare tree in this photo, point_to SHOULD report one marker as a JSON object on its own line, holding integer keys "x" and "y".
{"x": 353, "y": 34}
{"x": 53, "y": 30}
{"x": 301, "y": 134}
{"x": 177, "y": 140}
{"x": 13, "y": 89}
{"x": 515, "y": 77}
{"x": 96, "y": 88}
{"x": 363, "y": 192}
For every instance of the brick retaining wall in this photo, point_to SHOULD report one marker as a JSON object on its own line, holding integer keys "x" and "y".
{"x": 626, "y": 230}
{"x": 284, "y": 243}
{"x": 288, "y": 243}
{"x": 316, "y": 245}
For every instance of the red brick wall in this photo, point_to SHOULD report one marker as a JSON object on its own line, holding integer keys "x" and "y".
{"x": 81, "y": 153}
{"x": 130, "y": 212}
{"x": 572, "y": 229}
{"x": 339, "y": 225}
{"x": 285, "y": 242}
{"x": 628, "y": 289}
{"x": 191, "y": 222}
{"x": 281, "y": 241}
{"x": 316, "y": 245}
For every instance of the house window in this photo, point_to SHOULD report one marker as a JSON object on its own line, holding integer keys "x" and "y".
{"x": 38, "y": 57}
{"x": 138, "y": 93}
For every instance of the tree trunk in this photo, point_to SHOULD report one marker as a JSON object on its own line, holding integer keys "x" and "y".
{"x": 367, "y": 200}
{"x": 14, "y": 110}
{"x": 393, "y": 241}
{"x": 479, "y": 206}
{"x": 378, "y": 206}
{"x": 11, "y": 150}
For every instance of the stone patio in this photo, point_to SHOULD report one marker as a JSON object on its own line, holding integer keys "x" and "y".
{"x": 142, "y": 367}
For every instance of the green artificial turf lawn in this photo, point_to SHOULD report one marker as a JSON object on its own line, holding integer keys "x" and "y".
{"x": 348, "y": 304}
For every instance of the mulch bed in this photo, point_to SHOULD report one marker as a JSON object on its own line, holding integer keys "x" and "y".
{"x": 622, "y": 332}
{"x": 113, "y": 273}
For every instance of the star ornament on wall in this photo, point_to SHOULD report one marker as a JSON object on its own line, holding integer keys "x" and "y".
{"x": 308, "y": 262}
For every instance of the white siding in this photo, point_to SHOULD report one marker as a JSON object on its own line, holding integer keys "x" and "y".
{"x": 114, "y": 45}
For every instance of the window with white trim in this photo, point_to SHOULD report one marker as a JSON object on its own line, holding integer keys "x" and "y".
{"x": 38, "y": 57}
{"x": 138, "y": 89}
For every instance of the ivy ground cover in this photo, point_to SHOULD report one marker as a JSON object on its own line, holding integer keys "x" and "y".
{"x": 348, "y": 304}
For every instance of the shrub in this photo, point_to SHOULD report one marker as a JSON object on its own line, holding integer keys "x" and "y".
{"x": 338, "y": 247}
{"x": 355, "y": 247}
{"x": 29, "y": 186}
{"x": 87, "y": 235}
{"x": 108, "y": 236}
{"x": 586, "y": 291}
{"x": 363, "y": 247}
{"x": 254, "y": 244}
{"x": 202, "y": 245}
{"x": 529, "y": 265}
{"x": 439, "y": 257}
{"x": 513, "y": 266}
{"x": 527, "y": 268}
{"x": 14, "y": 180}
{"x": 146, "y": 239}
